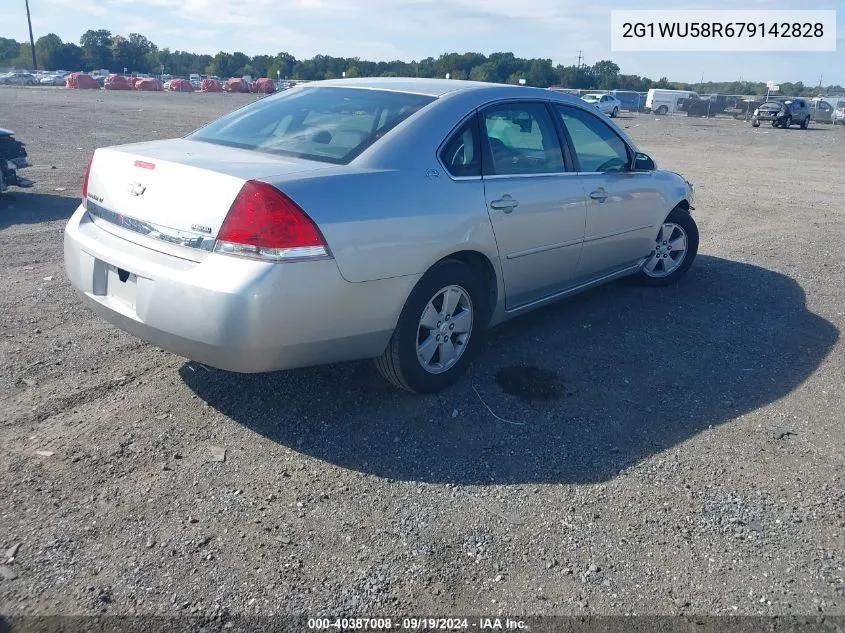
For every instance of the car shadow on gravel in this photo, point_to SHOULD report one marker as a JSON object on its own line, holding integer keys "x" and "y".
{"x": 24, "y": 207}
{"x": 573, "y": 393}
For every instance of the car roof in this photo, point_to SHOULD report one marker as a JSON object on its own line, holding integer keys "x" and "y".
{"x": 441, "y": 87}
{"x": 430, "y": 87}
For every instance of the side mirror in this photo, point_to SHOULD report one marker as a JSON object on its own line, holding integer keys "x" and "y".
{"x": 642, "y": 162}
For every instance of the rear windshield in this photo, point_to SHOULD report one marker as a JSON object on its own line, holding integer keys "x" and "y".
{"x": 332, "y": 125}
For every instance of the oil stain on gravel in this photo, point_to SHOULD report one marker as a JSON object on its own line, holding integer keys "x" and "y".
{"x": 530, "y": 383}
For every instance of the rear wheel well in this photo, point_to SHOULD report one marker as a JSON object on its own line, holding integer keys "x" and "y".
{"x": 484, "y": 268}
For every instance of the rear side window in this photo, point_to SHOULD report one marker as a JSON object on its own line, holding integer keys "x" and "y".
{"x": 462, "y": 153}
{"x": 332, "y": 125}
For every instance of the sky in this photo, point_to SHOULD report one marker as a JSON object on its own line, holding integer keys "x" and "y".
{"x": 415, "y": 29}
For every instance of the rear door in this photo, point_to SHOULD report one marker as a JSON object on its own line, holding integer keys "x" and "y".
{"x": 536, "y": 205}
{"x": 621, "y": 204}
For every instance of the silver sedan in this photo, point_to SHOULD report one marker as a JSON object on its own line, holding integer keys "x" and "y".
{"x": 608, "y": 104}
{"x": 394, "y": 219}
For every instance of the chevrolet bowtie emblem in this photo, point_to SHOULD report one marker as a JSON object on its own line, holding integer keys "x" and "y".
{"x": 136, "y": 188}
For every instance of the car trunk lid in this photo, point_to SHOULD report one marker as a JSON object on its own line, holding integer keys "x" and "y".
{"x": 173, "y": 196}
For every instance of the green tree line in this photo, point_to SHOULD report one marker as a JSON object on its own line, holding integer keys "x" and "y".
{"x": 102, "y": 49}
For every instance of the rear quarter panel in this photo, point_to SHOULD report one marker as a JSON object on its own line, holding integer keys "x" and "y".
{"x": 390, "y": 223}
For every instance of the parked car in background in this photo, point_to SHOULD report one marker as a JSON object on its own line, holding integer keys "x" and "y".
{"x": 662, "y": 101}
{"x": 13, "y": 157}
{"x": 709, "y": 105}
{"x": 838, "y": 116}
{"x": 54, "y": 79}
{"x": 783, "y": 114}
{"x": 630, "y": 100}
{"x": 605, "y": 103}
{"x": 282, "y": 225}
{"x": 821, "y": 110}
{"x": 18, "y": 79}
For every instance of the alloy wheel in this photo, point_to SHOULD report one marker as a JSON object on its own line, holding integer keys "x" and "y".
{"x": 669, "y": 252}
{"x": 444, "y": 329}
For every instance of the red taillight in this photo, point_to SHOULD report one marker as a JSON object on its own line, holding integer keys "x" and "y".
{"x": 85, "y": 182}
{"x": 265, "y": 224}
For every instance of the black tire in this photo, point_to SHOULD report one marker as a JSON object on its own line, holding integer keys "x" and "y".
{"x": 805, "y": 123}
{"x": 614, "y": 114}
{"x": 662, "y": 110}
{"x": 399, "y": 364}
{"x": 755, "y": 124}
{"x": 787, "y": 122}
{"x": 683, "y": 219}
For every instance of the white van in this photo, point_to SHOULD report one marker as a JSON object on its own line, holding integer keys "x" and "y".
{"x": 662, "y": 101}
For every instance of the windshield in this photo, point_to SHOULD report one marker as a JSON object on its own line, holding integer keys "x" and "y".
{"x": 590, "y": 98}
{"x": 331, "y": 125}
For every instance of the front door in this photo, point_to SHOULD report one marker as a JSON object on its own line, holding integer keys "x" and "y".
{"x": 620, "y": 225}
{"x": 536, "y": 206}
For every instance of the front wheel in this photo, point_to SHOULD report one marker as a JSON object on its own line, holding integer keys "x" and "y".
{"x": 440, "y": 327}
{"x": 614, "y": 113}
{"x": 755, "y": 123}
{"x": 805, "y": 124}
{"x": 675, "y": 248}
{"x": 787, "y": 122}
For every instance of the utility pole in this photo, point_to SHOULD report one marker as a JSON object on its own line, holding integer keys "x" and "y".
{"x": 31, "y": 39}
{"x": 580, "y": 57}
{"x": 821, "y": 76}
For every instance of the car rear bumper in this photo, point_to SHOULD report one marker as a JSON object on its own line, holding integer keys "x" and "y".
{"x": 232, "y": 313}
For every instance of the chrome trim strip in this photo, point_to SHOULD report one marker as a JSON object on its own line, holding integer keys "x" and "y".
{"x": 543, "y": 175}
{"x": 615, "y": 233}
{"x": 178, "y": 237}
{"x": 541, "y": 249}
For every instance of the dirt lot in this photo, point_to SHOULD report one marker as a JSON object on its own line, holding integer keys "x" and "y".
{"x": 627, "y": 451}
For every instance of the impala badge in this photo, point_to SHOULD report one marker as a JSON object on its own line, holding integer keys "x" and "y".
{"x": 136, "y": 188}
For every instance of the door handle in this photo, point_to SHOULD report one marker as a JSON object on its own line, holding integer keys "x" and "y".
{"x": 506, "y": 204}
{"x": 599, "y": 194}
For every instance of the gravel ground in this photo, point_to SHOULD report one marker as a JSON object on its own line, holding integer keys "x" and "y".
{"x": 648, "y": 451}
